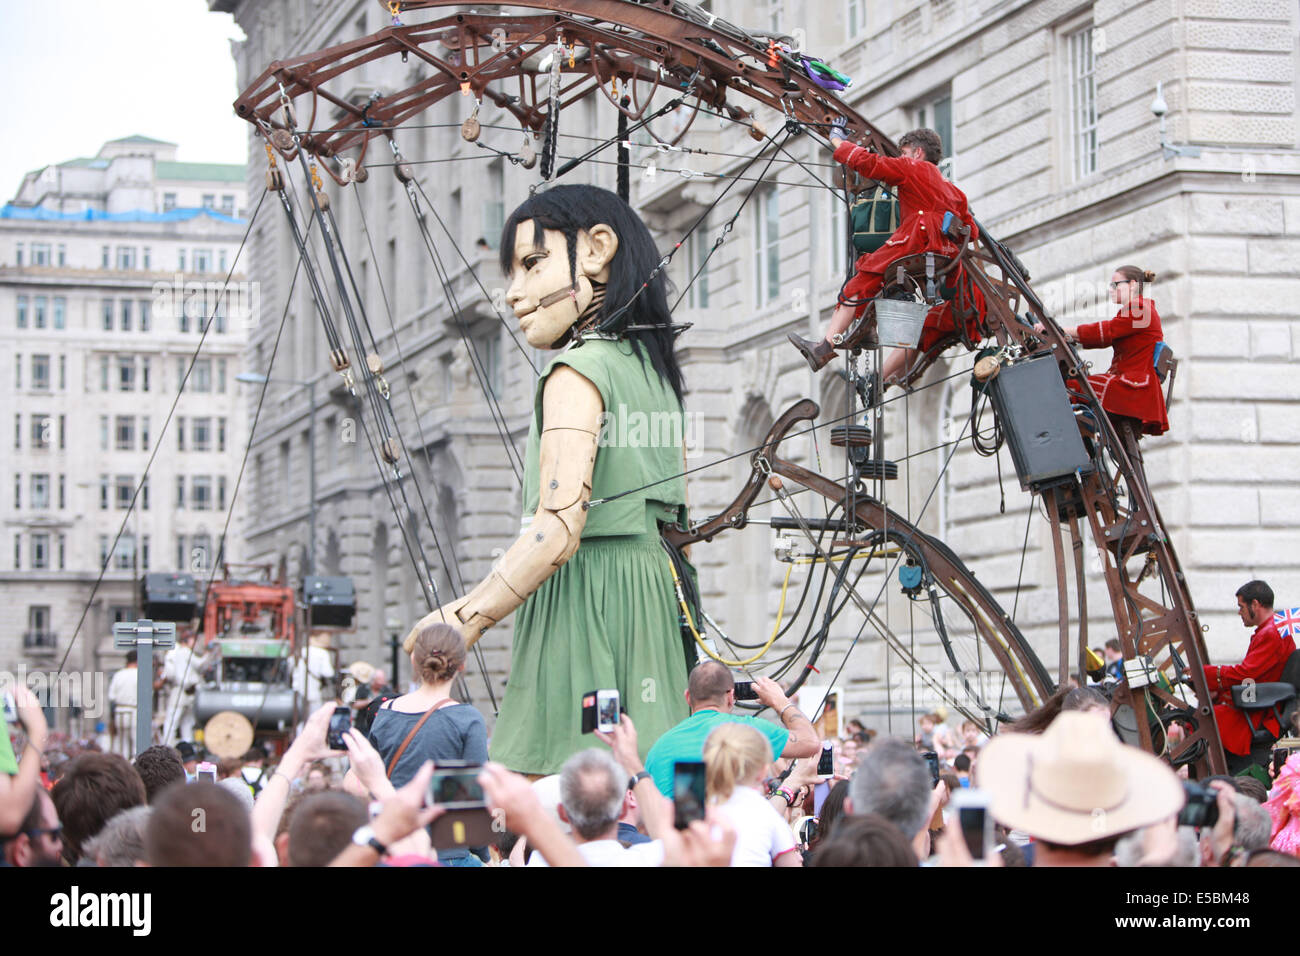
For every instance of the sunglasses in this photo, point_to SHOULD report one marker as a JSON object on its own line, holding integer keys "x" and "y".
{"x": 1125, "y": 282}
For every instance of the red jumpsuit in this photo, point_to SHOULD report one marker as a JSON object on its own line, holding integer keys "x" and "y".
{"x": 1263, "y": 663}
{"x": 923, "y": 197}
{"x": 1131, "y": 387}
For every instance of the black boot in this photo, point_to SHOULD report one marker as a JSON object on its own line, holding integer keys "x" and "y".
{"x": 818, "y": 353}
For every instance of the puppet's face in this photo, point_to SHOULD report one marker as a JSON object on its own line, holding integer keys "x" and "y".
{"x": 545, "y": 297}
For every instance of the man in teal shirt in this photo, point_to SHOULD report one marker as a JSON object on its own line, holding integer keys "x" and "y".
{"x": 711, "y": 696}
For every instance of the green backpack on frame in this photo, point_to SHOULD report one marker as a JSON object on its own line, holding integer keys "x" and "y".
{"x": 875, "y": 216}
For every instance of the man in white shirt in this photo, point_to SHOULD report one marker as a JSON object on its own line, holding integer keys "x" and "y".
{"x": 313, "y": 669}
{"x": 182, "y": 671}
{"x": 593, "y": 795}
{"x": 122, "y": 700}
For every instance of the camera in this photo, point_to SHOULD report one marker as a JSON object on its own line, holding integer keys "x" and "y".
{"x": 1201, "y": 808}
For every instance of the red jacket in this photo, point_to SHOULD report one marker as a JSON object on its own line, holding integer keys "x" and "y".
{"x": 1130, "y": 387}
{"x": 923, "y": 197}
{"x": 1263, "y": 663}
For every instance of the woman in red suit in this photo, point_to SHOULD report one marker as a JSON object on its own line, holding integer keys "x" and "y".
{"x": 1130, "y": 391}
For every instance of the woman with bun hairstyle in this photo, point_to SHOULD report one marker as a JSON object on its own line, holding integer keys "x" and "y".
{"x": 736, "y": 761}
{"x": 428, "y": 724}
{"x": 1130, "y": 391}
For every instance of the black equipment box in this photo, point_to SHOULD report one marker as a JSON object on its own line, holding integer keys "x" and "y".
{"x": 1034, "y": 408}
{"x": 330, "y": 602}
{"x": 169, "y": 597}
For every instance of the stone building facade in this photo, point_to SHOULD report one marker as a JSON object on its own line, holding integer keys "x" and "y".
{"x": 1045, "y": 108}
{"x": 105, "y": 266}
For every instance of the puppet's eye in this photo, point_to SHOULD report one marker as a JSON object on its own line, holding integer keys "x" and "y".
{"x": 531, "y": 261}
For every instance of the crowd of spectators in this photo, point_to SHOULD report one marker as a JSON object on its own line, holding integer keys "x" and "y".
{"x": 1061, "y": 787}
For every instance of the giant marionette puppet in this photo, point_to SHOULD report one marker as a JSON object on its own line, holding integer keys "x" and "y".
{"x": 596, "y": 600}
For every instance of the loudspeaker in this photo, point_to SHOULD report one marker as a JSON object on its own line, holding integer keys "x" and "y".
{"x": 1031, "y": 402}
{"x": 330, "y": 602}
{"x": 169, "y": 597}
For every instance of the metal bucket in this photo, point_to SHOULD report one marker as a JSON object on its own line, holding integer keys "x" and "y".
{"x": 899, "y": 322}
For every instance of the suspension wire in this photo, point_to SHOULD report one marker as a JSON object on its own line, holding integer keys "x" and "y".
{"x": 1029, "y": 516}
{"x": 476, "y": 361}
{"x": 430, "y": 581}
{"x": 108, "y": 558}
{"x": 221, "y": 543}
{"x": 459, "y": 583}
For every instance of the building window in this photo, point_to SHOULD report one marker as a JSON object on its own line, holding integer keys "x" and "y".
{"x": 63, "y": 432}
{"x": 60, "y": 311}
{"x": 221, "y": 376}
{"x": 62, "y": 551}
{"x": 18, "y": 431}
{"x": 40, "y": 253}
{"x": 1083, "y": 103}
{"x": 107, "y": 308}
{"x": 201, "y": 377}
{"x": 103, "y": 373}
{"x": 202, "y": 434}
{"x": 221, "y": 492}
{"x": 103, "y": 433}
{"x": 202, "y": 493}
{"x": 180, "y": 260}
{"x": 144, "y": 433}
{"x": 144, "y": 373}
{"x": 103, "y": 492}
{"x": 221, "y": 263}
{"x": 123, "y": 489}
{"x": 180, "y": 492}
{"x": 38, "y": 313}
{"x": 22, "y": 312}
{"x": 124, "y": 433}
{"x": 182, "y": 562}
{"x": 41, "y": 492}
{"x": 697, "y": 249}
{"x": 126, "y": 373}
{"x": 857, "y": 17}
{"x": 144, "y": 315}
{"x": 124, "y": 556}
{"x": 63, "y": 254}
{"x": 145, "y": 258}
{"x": 169, "y": 202}
{"x": 18, "y": 370}
{"x": 144, "y": 494}
{"x": 63, "y": 492}
{"x": 41, "y": 430}
{"x": 144, "y": 553}
{"x": 221, "y": 434}
{"x": 40, "y": 551}
{"x": 180, "y": 434}
{"x": 200, "y": 545}
{"x": 18, "y": 552}
{"x": 126, "y": 315}
{"x": 103, "y": 550}
{"x": 935, "y": 113}
{"x": 125, "y": 258}
{"x": 41, "y": 372}
{"x": 494, "y": 207}
{"x": 63, "y": 373}
{"x": 105, "y": 257}
{"x": 18, "y": 253}
{"x": 202, "y": 260}
{"x": 228, "y": 204}
{"x": 209, "y": 200}
{"x": 18, "y": 492}
{"x": 767, "y": 265}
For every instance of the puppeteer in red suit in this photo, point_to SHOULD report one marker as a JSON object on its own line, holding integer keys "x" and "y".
{"x": 1265, "y": 657}
{"x": 924, "y": 197}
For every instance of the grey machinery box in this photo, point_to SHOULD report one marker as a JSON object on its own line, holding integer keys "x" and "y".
{"x": 1034, "y": 408}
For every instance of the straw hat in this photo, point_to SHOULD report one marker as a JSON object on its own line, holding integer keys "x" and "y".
{"x": 1076, "y": 782}
{"x": 362, "y": 671}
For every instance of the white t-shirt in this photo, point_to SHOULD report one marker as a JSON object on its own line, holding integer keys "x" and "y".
{"x": 613, "y": 853}
{"x": 761, "y": 832}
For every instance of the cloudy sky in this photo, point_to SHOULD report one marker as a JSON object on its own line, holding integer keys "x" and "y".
{"x": 80, "y": 72}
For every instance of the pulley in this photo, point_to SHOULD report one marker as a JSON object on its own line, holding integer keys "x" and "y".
{"x": 874, "y": 469}
{"x": 375, "y": 363}
{"x": 339, "y": 359}
{"x": 527, "y": 153}
{"x": 851, "y": 436}
{"x": 282, "y": 140}
{"x": 274, "y": 179}
{"x": 470, "y": 129}
{"x": 388, "y": 450}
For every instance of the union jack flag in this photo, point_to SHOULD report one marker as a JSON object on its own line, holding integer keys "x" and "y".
{"x": 1288, "y": 622}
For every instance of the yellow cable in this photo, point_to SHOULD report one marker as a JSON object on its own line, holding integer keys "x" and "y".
{"x": 780, "y": 613}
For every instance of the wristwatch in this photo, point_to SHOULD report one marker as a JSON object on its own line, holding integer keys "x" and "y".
{"x": 365, "y": 836}
{"x": 641, "y": 775}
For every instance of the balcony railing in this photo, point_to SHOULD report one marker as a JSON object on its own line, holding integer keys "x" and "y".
{"x": 40, "y": 642}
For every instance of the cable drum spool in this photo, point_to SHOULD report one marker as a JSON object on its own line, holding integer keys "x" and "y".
{"x": 899, "y": 322}
{"x": 850, "y": 436}
{"x": 876, "y": 468}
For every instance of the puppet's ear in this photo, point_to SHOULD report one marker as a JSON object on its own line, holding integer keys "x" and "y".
{"x": 596, "y": 249}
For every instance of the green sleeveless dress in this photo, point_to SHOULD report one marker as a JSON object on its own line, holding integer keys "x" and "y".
{"x": 607, "y": 618}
